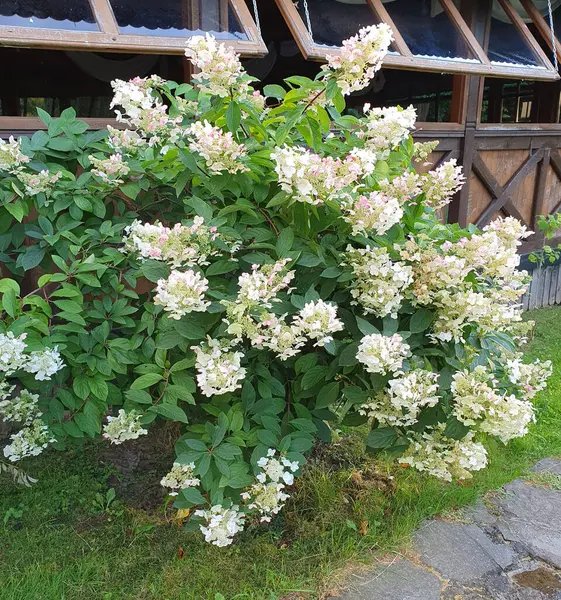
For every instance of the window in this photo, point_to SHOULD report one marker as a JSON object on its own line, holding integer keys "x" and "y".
{"x": 430, "y": 35}
{"x": 143, "y": 26}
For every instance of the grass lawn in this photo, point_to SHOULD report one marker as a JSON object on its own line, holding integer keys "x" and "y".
{"x": 57, "y": 543}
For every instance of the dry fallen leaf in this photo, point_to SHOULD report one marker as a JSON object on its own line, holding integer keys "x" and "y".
{"x": 363, "y": 529}
{"x": 180, "y": 552}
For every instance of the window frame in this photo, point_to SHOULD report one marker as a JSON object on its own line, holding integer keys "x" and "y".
{"x": 109, "y": 39}
{"x": 405, "y": 59}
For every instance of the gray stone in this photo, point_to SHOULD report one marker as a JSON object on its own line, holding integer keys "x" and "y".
{"x": 550, "y": 465}
{"x": 479, "y": 514}
{"x": 401, "y": 580}
{"x": 461, "y": 552}
{"x": 532, "y": 515}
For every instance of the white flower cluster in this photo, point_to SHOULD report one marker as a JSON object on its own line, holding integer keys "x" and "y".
{"x": 311, "y": 178}
{"x": 266, "y": 496}
{"x": 404, "y": 398}
{"x": 360, "y": 57}
{"x": 478, "y": 404}
{"x": 222, "y": 524}
{"x": 444, "y": 457}
{"x": 44, "y": 364}
{"x": 387, "y": 127}
{"x": 248, "y": 317}
{"x": 12, "y": 348}
{"x": 29, "y": 441}
{"x": 125, "y": 426}
{"x": 23, "y": 408}
{"x": 182, "y": 293}
{"x": 373, "y": 212}
{"x": 219, "y": 368}
{"x": 434, "y": 270}
{"x": 143, "y": 109}
{"x": 318, "y": 320}
{"x": 441, "y": 184}
{"x": 273, "y": 333}
{"x": 11, "y": 156}
{"x": 382, "y": 354}
{"x": 181, "y": 245}
{"x": 179, "y": 478}
{"x": 109, "y": 170}
{"x": 422, "y": 150}
{"x": 41, "y": 363}
{"x": 38, "y": 182}
{"x": 529, "y": 378}
{"x": 219, "y": 149}
{"x": 494, "y": 252}
{"x": 124, "y": 141}
{"x": 263, "y": 283}
{"x": 219, "y": 66}
{"x": 403, "y": 187}
{"x": 379, "y": 283}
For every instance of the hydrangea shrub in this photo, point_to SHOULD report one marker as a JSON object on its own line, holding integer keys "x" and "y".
{"x": 260, "y": 269}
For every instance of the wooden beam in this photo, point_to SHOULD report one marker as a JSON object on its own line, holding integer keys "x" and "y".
{"x": 539, "y": 193}
{"x": 506, "y": 192}
{"x": 104, "y": 16}
{"x": 464, "y": 30}
{"x": 542, "y": 26}
{"x": 517, "y": 21}
{"x": 384, "y": 16}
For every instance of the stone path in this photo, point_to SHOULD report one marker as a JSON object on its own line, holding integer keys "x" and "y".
{"x": 506, "y": 549}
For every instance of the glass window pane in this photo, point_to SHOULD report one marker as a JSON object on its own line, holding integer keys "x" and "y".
{"x": 333, "y": 21}
{"x": 508, "y": 47}
{"x": 427, "y": 30}
{"x": 177, "y": 18}
{"x": 48, "y": 14}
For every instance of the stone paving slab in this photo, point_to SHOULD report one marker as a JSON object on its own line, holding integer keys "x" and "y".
{"x": 400, "y": 579}
{"x": 460, "y": 552}
{"x": 508, "y": 548}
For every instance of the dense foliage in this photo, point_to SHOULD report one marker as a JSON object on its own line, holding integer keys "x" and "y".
{"x": 258, "y": 269}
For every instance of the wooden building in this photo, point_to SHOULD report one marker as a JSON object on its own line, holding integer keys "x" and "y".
{"x": 482, "y": 73}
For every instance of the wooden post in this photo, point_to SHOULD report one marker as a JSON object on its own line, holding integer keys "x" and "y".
{"x": 478, "y": 16}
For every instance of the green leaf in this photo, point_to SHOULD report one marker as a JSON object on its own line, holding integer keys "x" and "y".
{"x": 421, "y": 320}
{"x": 328, "y": 395}
{"x": 189, "y": 330}
{"x": 383, "y": 437}
{"x": 169, "y": 411}
{"x": 9, "y": 284}
{"x": 154, "y": 270}
{"x": 233, "y": 117}
{"x": 365, "y": 327}
{"x": 98, "y": 388}
{"x": 390, "y": 325}
{"x": 455, "y": 429}
{"x": 221, "y": 266}
{"x": 169, "y": 339}
{"x": 192, "y": 496}
{"x": 314, "y": 376}
{"x": 348, "y": 355}
{"x": 81, "y": 386}
{"x": 331, "y": 272}
{"x": 18, "y": 208}
{"x": 274, "y": 91}
{"x": 355, "y": 395}
{"x": 145, "y": 381}
{"x": 31, "y": 257}
{"x": 202, "y": 208}
{"x": 9, "y": 302}
{"x": 285, "y": 242}
{"x": 130, "y": 190}
{"x": 69, "y": 306}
